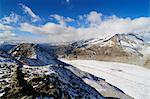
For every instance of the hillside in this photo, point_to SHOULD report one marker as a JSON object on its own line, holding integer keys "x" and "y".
{"x": 35, "y": 73}
{"x": 126, "y": 48}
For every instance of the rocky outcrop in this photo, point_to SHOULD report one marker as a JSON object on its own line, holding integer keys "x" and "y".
{"x": 34, "y": 83}
{"x": 37, "y": 86}
{"x": 33, "y": 55}
{"x": 147, "y": 63}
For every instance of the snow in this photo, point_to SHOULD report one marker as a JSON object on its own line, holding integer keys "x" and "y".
{"x": 95, "y": 41}
{"x": 101, "y": 41}
{"x": 145, "y": 50}
{"x": 1, "y": 94}
{"x": 131, "y": 79}
{"x": 68, "y": 81}
{"x": 145, "y": 35}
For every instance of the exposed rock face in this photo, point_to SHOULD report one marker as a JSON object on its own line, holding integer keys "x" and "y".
{"x": 52, "y": 85}
{"x": 33, "y": 55}
{"x": 55, "y": 82}
{"x": 147, "y": 63}
{"x": 24, "y": 51}
{"x": 36, "y": 87}
{"x": 109, "y": 47}
{"x": 60, "y": 81}
{"x": 124, "y": 48}
{"x": 18, "y": 87}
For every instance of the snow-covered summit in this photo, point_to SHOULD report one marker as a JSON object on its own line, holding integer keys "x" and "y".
{"x": 130, "y": 42}
{"x": 127, "y": 48}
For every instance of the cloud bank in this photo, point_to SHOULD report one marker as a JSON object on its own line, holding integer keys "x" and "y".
{"x": 6, "y": 32}
{"x": 98, "y": 25}
{"x": 7, "y": 35}
{"x": 58, "y": 28}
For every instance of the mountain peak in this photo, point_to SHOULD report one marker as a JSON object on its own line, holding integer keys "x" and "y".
{"x": 24, "y": 50}
{"x": 33, "y": 54}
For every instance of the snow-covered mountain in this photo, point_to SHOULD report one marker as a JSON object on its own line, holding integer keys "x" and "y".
{"x": 34, "y": 70}
{"x": 145, "y": 35}
{"x": 128, "y": 48}
{"x": 35, "y": 73}
{"x": 129, "y": 42}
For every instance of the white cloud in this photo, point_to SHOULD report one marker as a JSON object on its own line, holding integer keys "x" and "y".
{"x": 7, "y": 35}
{"x": 12, "y": 18}
{"x": 48, "y": 28}
{"x": 12, "y": 37}
{"x": 124, "y": 25}
{"x": 62, "y": 20}
{"x": 54, "y": 32}
{"x": 98, "y": 26}
{"x": 5, "y": 32}
{"x": 28, "y": 11}
{"x": 94, "y": 18}
{"x": 5, "y": 27}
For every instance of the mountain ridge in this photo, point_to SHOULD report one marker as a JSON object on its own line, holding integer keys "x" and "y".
{"x": 59, "y": 80}
{"x": 127, "y": 48}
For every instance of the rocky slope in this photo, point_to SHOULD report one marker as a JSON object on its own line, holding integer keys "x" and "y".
{"x": 132, "y": 48}
{"x": 33, "y": 55}
{"x": 26, "y": 77}
{"x": 127, "y": 48}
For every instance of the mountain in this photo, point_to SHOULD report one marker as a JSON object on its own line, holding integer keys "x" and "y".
{"x": 129, "y": 48}
{"x": 117, "y": 45}
{"x": 145, "y": 35}
{"x": 33, "y": 55}
{"x": 35, "y": 73}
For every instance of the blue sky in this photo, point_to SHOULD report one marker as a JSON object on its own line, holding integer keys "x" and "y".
{"x": 123, "y": 8}
{"x": 70, "y": 17}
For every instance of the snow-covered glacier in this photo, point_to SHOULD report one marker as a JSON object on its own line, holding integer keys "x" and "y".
{"x": 133, "y": 80}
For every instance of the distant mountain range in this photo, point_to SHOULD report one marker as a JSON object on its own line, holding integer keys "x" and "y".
{"x": 132, "y": 48}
